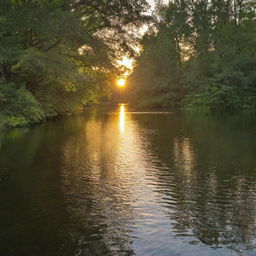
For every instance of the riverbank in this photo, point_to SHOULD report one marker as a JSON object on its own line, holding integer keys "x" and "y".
{"x": 8, "y": 123}
{"x": 20, "y": 121}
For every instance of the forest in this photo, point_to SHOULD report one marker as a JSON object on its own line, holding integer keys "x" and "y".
{"x": 57, "y": 56}
{"x": 199, "y": 55}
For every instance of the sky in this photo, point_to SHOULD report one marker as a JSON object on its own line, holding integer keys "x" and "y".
{"x": 129, "y": 62}
{"x": 152, "y": 2}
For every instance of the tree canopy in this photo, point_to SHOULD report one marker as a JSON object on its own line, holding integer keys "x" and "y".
{"x": 201, "y": 55}
{"x": 56, "y": 56}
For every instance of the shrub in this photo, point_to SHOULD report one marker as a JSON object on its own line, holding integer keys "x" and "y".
{"x": 217, "y": 97}
{"x": 18, "y": 107}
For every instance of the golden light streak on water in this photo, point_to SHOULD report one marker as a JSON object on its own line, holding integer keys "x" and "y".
{"x": 122, "y": 118}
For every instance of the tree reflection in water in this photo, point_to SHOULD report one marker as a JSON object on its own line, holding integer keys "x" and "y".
{"x": 126, "y": 183}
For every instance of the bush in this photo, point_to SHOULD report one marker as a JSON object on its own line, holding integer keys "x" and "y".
{"x": 217, "y": 97}
{"x": 18, "y": 107}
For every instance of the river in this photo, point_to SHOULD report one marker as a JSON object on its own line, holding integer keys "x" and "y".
{"x": 125, "y": 182}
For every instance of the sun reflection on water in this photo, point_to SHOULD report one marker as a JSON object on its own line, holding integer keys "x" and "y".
{"x": 122, "y": 118}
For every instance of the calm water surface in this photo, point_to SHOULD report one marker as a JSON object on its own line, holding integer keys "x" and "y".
{"x": 127, "y": 183}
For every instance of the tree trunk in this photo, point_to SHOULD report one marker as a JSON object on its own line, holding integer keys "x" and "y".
{"x": 5, "y": 72}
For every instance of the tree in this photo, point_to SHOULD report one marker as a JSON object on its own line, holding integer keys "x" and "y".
{"x": 57, "y": 51}
{"x": 214, "y": 44}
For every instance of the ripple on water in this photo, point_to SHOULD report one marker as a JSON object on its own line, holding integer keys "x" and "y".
{"x": 130, "y": 183}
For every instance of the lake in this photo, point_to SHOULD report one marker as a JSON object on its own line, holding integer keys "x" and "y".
{"x": 124, "y": 182}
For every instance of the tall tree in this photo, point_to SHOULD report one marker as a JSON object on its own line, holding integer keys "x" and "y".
{"x": 58, "y": 52}
{"x": 215, "y": 47}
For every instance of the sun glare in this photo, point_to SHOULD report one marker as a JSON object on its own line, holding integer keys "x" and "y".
{"x": 126, "y": 62}
{"x": 121, "y": 82}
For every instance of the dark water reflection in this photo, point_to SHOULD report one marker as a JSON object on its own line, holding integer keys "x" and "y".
{"x": 130, "y": 183}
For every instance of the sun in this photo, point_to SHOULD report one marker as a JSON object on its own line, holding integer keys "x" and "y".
{"x": 121, "y": 82}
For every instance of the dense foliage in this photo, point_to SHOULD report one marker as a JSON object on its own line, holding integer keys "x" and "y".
{"x": 202, "y": 54}
{"x": 56, "y": 55}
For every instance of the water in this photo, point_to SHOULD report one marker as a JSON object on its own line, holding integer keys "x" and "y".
{"x": 123, "y": 182}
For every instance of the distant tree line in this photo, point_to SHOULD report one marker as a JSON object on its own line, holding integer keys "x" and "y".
{"x": 201, "y": 55}
{"x": 56, "y": 55}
